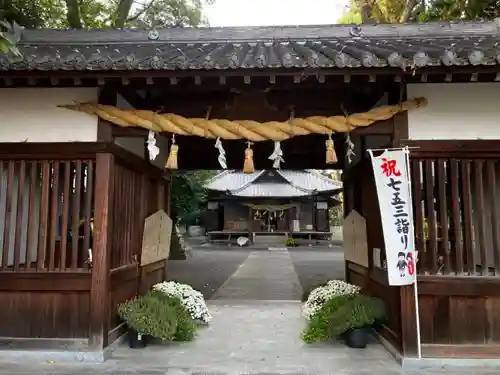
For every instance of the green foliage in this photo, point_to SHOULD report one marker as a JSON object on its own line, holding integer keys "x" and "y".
{"x": 158, "y": 315}
{"x": 188, "y": 192}
{"x": 291, "y": 242}
{"x": 9, "y": 37}
{"x": 318, "y": 327}
{"x": 98, "y": 13}
{"x": 397, "y": 11}
{"x": 357, "y": 312}
{"x": 342, "y": 313}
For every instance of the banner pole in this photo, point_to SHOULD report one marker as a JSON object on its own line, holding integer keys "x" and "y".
{"x": 415, "y": 283}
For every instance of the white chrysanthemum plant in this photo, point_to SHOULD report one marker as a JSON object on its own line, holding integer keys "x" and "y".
{"x": 322, "y": 294}
{"x": 191, "y": 299}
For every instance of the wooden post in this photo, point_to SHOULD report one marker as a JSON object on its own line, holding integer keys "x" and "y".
{"x": 409, "y": 337}
{"x": 409, "y": 334}
{"x": 103, "y": 219}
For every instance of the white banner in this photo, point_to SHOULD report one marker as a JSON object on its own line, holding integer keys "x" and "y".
{"x": 391, "y": 171}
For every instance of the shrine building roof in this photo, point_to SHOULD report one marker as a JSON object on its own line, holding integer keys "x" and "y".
{"x": 273, "y": 183}
{"x": 404, "y": 46}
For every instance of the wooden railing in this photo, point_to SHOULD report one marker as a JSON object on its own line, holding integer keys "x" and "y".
{"x": 45, "y": 214}
{"x": 456, "y": 207}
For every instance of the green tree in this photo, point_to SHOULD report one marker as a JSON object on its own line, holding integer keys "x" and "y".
{"x": 77, "y": 14}
{"x": 188, "y": 192}
{"x": 401, "y": 11}
{"x": 9, "y": 36}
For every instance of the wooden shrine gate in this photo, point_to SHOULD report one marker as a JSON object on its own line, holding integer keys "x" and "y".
{"x": 60, "y": 169}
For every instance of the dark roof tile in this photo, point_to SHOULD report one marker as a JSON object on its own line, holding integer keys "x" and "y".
{"x": 400, "y": 46}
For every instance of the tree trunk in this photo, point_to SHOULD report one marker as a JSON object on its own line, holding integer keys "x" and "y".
{"x": 122, "y": 12}
{"x": 73, "y": 15}
{"x": 408, "y": 10}
{"x": 366, "y": 9}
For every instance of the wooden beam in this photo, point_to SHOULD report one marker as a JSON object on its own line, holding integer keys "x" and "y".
{"x": 101, "y": 250}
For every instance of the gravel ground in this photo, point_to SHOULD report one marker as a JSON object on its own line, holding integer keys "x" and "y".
{"x": 206, "y": 270}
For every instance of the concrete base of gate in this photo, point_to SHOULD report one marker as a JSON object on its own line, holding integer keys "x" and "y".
{"x": 68, "y": 356}
{"x": 408, "y": 364}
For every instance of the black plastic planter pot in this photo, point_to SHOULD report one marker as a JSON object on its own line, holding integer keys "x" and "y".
{"x": 136, "y": 340}
{"x": 357, "y": 338}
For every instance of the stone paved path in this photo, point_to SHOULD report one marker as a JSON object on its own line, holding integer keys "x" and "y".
{"x": 266, "y": 275}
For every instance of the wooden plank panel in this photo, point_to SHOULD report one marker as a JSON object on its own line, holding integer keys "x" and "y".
{"x": 31, "y": 214}
{"x": 467, "y": 216}
{"x": 76, "y": 214}
{"x": 88, "y": 207}
{"x": 441, "y": 319}
{"x": 45, "y": 281}
{"x": 431, "y": 256}
{"x": 495, "y": 219}
{"x": 443, "y": 214}
{"x": 417, "y": 210}
{"x": 469, "y": 313}
{"x": 455, "y": 218}
{"x": 480, "y": 215}
{"x": 492, "y": 306}
{"x": 464, "y": 286}
{"x": 66, "y": 194}
{"x": 8, "y": 214}
{"x": 54, "y": 314}
{"x": 54, "y": 214}
{"x": 426, "y": 313}
{"x": 44, "y": 213}
{"x": 19, "y": 215}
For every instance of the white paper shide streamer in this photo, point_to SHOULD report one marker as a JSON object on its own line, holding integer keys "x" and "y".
{"x": 222, "y": 154}
{"x": 277, "y": 155}
{"x": 350, "y": 149}
{"x": 153, "y": 149}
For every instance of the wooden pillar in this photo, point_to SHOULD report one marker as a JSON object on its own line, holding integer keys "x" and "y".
{"x": 409, "y": 336}
{"x": 101, "y": 248}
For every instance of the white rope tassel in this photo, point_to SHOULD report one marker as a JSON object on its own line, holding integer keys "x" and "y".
{"x": 350, "y": 149}
{"x": 277, "y": 155}
{"x": 153, "y": 149}
{"x": 222, "y": 154}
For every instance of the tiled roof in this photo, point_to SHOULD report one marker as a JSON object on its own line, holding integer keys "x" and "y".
{"x": 296, "y": 183}
{"x": 331, "y": 46}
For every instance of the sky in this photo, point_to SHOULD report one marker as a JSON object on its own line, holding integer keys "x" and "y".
{"x": 274, "y": 12}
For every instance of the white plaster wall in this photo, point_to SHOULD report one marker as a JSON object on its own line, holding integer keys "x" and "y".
{"x": 32, "y": 115}
{"x": 455, "y": 111}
